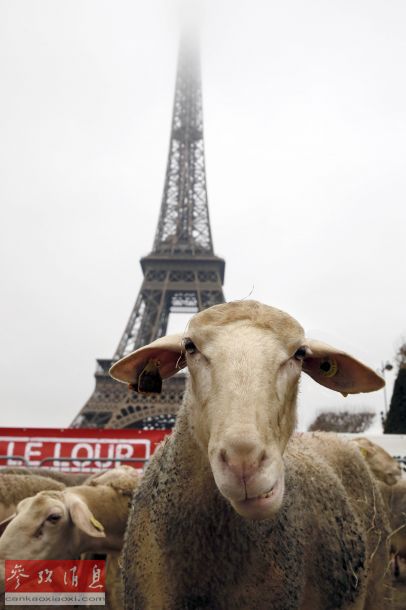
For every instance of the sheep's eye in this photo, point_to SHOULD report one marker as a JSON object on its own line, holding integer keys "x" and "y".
{"x": 189, "y": 346}
{"x": 54, "y": 518}
{"x": 300, "y": 354}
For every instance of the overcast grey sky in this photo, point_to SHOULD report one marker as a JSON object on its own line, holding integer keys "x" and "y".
{"x": 305, "y": 132}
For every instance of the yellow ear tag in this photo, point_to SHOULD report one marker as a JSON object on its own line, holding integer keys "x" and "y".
{"x": 329, "y": 367}
{"x": 96, "y": 524}
{"x": 364, "y": 452}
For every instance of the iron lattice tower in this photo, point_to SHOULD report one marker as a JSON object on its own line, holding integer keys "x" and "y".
{"x": 181, "y": 274}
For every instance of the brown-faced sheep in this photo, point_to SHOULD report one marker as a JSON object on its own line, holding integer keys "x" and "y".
{"x": 235, "y": 513}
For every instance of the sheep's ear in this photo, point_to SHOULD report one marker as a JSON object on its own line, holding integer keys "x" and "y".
{"x": 5, "y": 522}
{"x": 339, "y": 371}
{"x": 145, "y": 368}
{"x": 82, "y": 516}
{"x": 365, "y": 446}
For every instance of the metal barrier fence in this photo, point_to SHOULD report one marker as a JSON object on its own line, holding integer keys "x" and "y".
{"x": 15, "y": 457}
{"x": 402, "y": 461}
{"x": 89, "y": 465}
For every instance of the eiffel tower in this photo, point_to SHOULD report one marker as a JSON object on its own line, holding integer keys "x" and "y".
{"x": 181, "y": 274}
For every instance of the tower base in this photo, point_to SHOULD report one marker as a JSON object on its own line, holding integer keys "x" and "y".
{"x": 113, "y": 405}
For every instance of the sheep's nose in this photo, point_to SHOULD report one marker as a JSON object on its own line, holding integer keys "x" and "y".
{"x": 243, "y": 457}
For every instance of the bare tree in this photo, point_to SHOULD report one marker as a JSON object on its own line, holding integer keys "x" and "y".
{"x": 395, "y": 421}
{"x": 342, "y": 421}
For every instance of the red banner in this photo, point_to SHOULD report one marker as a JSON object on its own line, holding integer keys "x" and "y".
{"x": 54, "y": 575}
{"x": 77, "y": 449}
{"x": 54, "y": 582}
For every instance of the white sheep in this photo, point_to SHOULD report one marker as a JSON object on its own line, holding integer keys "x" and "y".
{"x": 64, "y": 524}
{"x": 19, "y": 483}
{"x": 14, "y": 488}
{"x": 67, "y": 478}
{"x": 235, "y": 513}
{"x": 383, "y": 466}
{"x": 395, "y": 498}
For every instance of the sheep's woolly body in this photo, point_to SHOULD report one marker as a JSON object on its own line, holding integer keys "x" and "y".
{"x": 395, "y": 497}
{"x": 318, "y": 552}
{"x": 114, "y": 584}
{"x": 228, "y": 516}
{"x": 14, "y": 488}
{"x": 123, "y": 479}
{"x": 382, "y": 465}
{"x": 107, "y": 494}
{"x": 398, "y": 509}
{"x": 67, "y": 478}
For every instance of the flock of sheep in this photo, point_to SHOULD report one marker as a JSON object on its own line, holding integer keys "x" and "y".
{"x": 235, "y": 511}
{"x": 52, "y": 515}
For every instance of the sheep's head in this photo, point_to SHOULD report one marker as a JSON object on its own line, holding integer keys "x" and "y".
{"x": 123, "y": 479}
{"x": 245, "y": 360}
{"x": 49, "y": 525}
{"x": 383, "y": 466}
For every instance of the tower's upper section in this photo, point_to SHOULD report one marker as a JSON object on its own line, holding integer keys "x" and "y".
{"x": 184, "y": 226}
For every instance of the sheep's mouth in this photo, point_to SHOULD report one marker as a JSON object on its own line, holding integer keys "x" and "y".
{"x": 266, "y": 495}
{"x": 264, "y": 505}
{"x": 272, "y": 493}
